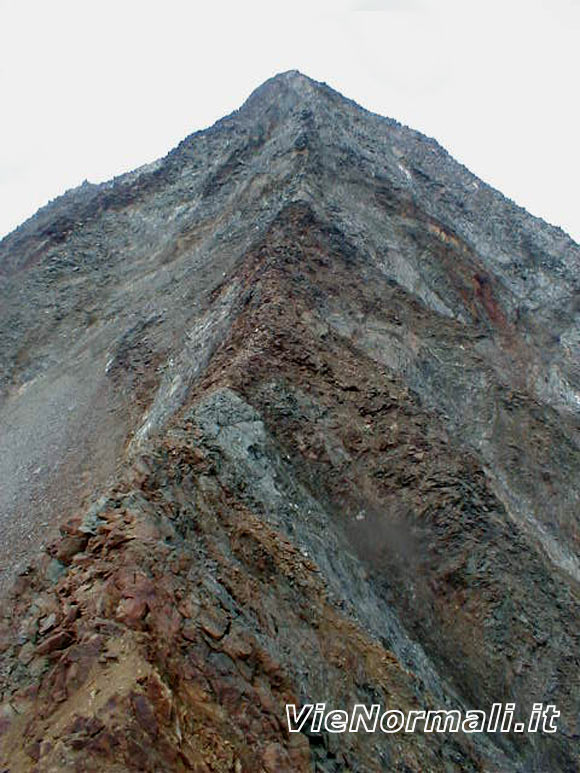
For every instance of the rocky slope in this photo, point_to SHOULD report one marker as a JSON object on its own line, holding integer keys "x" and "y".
{"x": 291, "y": 415}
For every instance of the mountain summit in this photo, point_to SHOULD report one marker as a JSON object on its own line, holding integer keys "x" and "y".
{"x": 289, "y": 416}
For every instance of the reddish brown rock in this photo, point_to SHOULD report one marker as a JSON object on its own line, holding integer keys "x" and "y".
{"x": 70, "y": 546}
{"x": 57, "y": 641}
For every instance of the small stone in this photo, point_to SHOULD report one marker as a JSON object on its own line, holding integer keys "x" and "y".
{"x": 27, "y": 653}
{"x": 71, "y": 615}
{"x": 213, "y": 623}
{"x": 274, "y": 758}
{"x": 189, "y": 631}
{"x": 58, "y": 641}
{"x": 47, "y": 623}
{"x": 38, "y": 666}
{"x": 69, "y": 546}
{"x": 131, "y": 611}
{"x": 238, "y": 645}
{"x": 55, "y": 570}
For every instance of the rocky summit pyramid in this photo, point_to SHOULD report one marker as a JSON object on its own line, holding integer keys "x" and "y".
{"x": 290, "y": 416}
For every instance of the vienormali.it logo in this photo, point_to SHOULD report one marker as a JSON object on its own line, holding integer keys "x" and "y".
{"x": 315, "y": 718}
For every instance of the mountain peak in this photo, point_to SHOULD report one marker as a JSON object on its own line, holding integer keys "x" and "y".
{"x": 293, "y": 78}
{"x": 286, "y": 90}
{"x": 289, "y": 415}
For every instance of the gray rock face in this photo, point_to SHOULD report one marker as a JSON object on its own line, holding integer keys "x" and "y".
{"x": 315, "y": 389}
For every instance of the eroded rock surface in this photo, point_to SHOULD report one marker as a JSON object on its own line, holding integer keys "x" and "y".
{"x": 290, "y": 416}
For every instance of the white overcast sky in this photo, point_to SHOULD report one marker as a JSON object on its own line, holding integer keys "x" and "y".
{"x": 89, "y": 90}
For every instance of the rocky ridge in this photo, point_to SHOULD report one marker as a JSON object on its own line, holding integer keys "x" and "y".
{"x": 302, "y": 400}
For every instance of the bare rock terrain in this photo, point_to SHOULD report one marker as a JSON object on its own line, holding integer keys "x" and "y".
{"x": 290, "y": 416}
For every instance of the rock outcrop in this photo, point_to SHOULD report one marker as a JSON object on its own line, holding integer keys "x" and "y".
{"x": 289, "y": 416}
